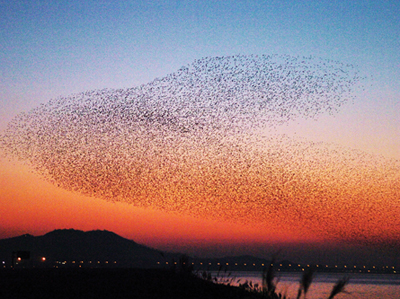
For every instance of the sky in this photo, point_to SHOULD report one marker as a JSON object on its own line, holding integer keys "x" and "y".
{"x": 53, "y": 49}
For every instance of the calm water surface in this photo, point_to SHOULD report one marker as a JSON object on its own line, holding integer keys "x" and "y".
{"x": 361, "y": 286}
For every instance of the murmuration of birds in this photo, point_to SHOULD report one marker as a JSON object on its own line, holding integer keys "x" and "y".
{"x": 190, "y": 143}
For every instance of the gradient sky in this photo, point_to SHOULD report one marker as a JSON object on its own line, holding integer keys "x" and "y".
{"x": 50, "y": 49}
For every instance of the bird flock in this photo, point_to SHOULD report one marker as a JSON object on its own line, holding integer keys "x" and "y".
{"x": 200, "y": 142}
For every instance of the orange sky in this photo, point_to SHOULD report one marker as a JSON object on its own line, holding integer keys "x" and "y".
{"x": 31, "y": 205}
{"x": 313, "y": 205}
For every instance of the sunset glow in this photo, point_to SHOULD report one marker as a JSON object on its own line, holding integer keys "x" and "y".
{"x": 204, "y": 145}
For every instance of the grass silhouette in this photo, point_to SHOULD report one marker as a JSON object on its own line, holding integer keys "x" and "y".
{"x": 268, "y": 289}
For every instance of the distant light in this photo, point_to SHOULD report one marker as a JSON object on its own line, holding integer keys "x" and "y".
{"x": 19, "y": 259}
{"x": 43, "y": 259}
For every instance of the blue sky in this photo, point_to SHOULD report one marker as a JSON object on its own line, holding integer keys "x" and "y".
{"x": 54, "y": 48}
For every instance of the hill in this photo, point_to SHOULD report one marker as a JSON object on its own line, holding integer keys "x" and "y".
{"x": 74, "y": 248}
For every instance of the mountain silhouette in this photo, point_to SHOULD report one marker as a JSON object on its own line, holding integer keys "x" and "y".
{"x": 66, "y": 248}
{"x": 69, "y": 247}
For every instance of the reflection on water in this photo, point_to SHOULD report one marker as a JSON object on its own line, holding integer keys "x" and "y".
{"x": 361, "y": 286}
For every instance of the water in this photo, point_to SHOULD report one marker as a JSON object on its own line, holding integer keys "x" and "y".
{"x": 360, "y": 286}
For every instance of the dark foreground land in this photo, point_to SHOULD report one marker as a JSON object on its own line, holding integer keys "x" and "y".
{"x": 110, "y": 283}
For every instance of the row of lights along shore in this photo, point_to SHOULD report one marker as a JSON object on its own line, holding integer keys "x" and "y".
{"x": 298, "y": 266}
{"x": 19, "y": 260}
{"x": 278, "y": 266}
